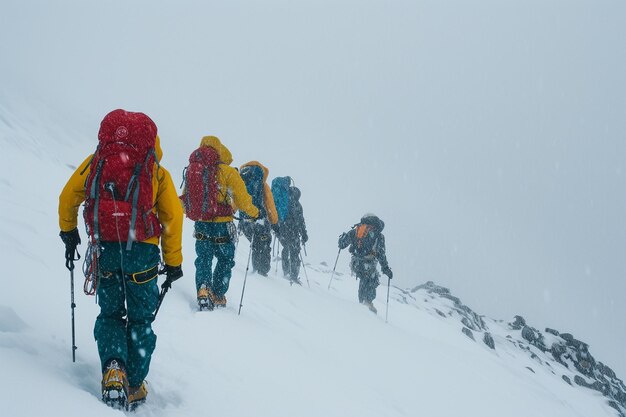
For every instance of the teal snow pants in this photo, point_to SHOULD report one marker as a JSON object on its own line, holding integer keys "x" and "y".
{"x": 213, "y": 241}
{"x": 123, "y": 329}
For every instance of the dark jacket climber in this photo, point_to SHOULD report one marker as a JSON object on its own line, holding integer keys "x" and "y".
{"x": 367, "y": 246}
{"x": 292, "y": 231}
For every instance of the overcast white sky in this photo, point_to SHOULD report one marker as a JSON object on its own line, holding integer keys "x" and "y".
{"x": 488, "y": 135}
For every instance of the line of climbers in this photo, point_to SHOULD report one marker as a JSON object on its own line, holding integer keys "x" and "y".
{"x": 131, "y": 207}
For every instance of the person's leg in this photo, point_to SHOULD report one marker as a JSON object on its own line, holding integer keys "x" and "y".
{"x": 110, "y": 327}
{"x": 261, "y": 250}
{"x": 284, "y": 258}
{"x": 369, "y": 289}
{"x": 265, "y": 254}
{"x": 362, "y": 289}
{"x": 204, "y": 256}
{"x": 225, "y": 254}
{"x": 142, "y": 300}
{"x": 142, "y": 296}
{"x": 294, "y": 258}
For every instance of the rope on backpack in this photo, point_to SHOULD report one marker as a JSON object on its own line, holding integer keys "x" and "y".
{"x": 91, "y": 269}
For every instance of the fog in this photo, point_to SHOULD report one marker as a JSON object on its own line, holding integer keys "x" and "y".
{"x": 488, "y": 135}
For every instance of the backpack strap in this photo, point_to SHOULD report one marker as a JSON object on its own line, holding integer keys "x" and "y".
{"x": 133, "y": 217}
{"x": 132, "y": 181}
{"x": 90, "y": 160}
{"x": 94, "y": 193}
{"x": 184, "y": 181}
{"x": 205, "y": 189}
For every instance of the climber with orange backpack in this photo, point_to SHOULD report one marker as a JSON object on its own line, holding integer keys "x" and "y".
{"x": 213, "y": 191}
{"x": 367, "y": 246}
{"x": 130, "y": 208}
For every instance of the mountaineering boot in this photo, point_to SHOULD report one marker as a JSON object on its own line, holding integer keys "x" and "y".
{"x": 137, "y": 396}
{"x": 115, "y": 385}
{"x": 204, "y": 298}
{"x": 370, "y": 305}
{"x": 220, "y": 301}
{"x": 295, "y": 280}
{"x": 214, "y": 298}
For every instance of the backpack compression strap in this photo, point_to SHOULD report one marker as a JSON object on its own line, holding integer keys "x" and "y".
{"x": 94, "y": 193}
{"x": 133, "y": 217}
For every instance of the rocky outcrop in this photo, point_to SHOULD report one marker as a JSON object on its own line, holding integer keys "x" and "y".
{"x": 548, "y": 348}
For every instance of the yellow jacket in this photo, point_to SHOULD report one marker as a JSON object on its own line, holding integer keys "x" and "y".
{"x": 232, "y": 188}
{"x": 270, "y": 207}
{"x": 167, "y": 207}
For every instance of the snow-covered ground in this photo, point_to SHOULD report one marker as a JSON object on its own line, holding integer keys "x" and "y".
{"x": 293, "y": 351}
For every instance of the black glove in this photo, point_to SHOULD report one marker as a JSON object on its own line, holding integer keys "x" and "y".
{"x": 305, "y": 238}
{"x": 341, "y": 242}
{"x": 172, "y": 274}
{"x": 276, "y": 229}
{"x": 387, "y": 271}
{"x": 71, "y": 239}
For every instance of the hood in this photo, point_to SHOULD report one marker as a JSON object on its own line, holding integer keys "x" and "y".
{"x": 157, "y": 148}
{"x": 294, "y": 192}
{"x": 214, "y": 142}
{"x": 373, "y": 220}
{"x": 266, "y": 171}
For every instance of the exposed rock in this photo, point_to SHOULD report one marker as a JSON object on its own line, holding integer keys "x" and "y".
{"x": 552, "y": 331}
{"x": 468, "y": 333}
{"x": 488, "y": 339}
{"x": 550, "y": 348}
{"x": 518, "y": 323}
{"x": 579, "y": 380}
{"x": 528, "y": 334}
{"x": 530, "y": 369}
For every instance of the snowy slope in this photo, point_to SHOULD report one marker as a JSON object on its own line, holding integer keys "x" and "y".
{"x": 294, "y": 351}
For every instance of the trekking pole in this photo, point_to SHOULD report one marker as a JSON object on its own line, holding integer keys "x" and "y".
{"x": 387, "y": 309}
{"x": 304, "y": 246}
{"x": 73, "y": 305}
{"x": 274, "y": 246}
{"x": 161, "y": 297}
{"x": 277, "y": 253}
{"x": 335, "y": 267}
{"x": 245, "y": 278}
{"x": 305, "y": 274}
{"x": 69, "y": 264}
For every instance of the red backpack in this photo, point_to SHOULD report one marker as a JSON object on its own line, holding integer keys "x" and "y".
{"x": 118, "y": 189}
{"x": 201, "y": 188}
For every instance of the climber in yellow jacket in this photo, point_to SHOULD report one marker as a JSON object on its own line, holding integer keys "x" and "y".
{"x": 213, "y": 192}
{"x": 130, "y": 207}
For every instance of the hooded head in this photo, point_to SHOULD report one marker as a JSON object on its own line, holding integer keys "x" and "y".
{"x": 373, "y": 220}
{"x": 294, "y": 192}
{"x": 214, "y": 142}
{"x": 266, "y": 171}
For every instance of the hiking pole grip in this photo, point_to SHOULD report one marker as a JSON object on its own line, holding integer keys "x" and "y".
{"x": 334, "y": 267}
{"x": 245, "y": 278}
{"x": 387, "y": 309}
